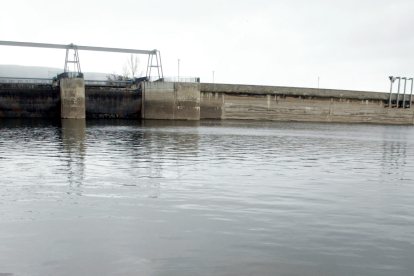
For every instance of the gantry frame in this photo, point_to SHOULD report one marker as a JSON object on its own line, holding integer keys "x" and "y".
{"x": 151, "y": 53}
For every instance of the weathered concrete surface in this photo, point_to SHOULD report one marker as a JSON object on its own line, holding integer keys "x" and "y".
{"x": 187, "y": 101}
{"x": 43, "y": 101}
{"x": 158, "y": 100}
{"x": 224, "y": 101}
{"x": 292, "y": 91}
{"x": 72, "y": 95}
{"x": 211, "y": 105}
{"x": 108, "y": 102}
{"x": 29, "y": 100}
{"x": 171, "y": 101}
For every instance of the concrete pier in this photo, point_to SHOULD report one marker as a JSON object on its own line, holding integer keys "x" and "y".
{"x": 170, "y": 101}
{"x": 72, "y": 96}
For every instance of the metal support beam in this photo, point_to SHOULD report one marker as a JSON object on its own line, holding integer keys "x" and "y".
{"x": 72, "y": 46}
{"x": 158, "y": 64}
{"x": 76, "y": 64}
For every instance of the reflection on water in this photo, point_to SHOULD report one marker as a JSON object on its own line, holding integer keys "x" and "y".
{"x": 106, "y": 197}
{"x": 395, "y": 154}
{"x": 73, "y": 145}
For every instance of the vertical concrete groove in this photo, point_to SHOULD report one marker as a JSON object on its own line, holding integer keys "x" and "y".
{"x": 268, "y": 102}
{"x": 331, "y": 110}
{"x": 223, "y": 106}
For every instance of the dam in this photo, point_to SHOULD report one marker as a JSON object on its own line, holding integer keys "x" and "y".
{"x": 70, "y": 96}
{"x": 198, "y": 101}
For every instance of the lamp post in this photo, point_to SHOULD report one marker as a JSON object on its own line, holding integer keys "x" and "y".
{"x": 398, "y": 92}
{"x": 392, "y": 80}
{"x": 405, "y": 85}
{"x": 178, "y": 70}
{"x": 411, "y": 95}
{"x": 213, "y": 76}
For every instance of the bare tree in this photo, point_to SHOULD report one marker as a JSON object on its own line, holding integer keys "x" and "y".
{"x": 131, "y": 67}
{"x": 129, "y": 71}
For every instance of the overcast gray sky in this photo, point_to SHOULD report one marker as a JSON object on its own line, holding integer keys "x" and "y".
{"x": 348, "y": 44}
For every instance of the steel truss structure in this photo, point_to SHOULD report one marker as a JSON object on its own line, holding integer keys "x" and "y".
{"x": 151, "y": 54}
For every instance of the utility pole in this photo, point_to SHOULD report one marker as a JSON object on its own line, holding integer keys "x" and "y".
{"x": 213, "y": 76}
{"x": 178, "y": 70}
{"x": 318, "y": 82}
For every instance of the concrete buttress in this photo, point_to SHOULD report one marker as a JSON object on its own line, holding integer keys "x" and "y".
{"x": 72, "y": 96}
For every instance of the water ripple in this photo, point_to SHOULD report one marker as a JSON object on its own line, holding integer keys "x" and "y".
{"x": 209, "y": 197}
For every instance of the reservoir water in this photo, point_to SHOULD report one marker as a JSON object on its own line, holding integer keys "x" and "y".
{"x": 124, "y": 197}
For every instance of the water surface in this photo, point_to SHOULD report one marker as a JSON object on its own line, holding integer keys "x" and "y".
{"x": 124, "y": 197}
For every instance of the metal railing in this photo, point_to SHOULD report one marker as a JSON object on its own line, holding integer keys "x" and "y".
{"x": 176, "y": 79}
{"x": 108, "y": 82}
{"x": 70, "y": 75}
{"x": 97, "y": 82}
{"x": 50, "y": 81}
{"x": 26, "y": 80}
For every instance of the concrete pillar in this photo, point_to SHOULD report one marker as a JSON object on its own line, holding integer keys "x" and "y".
{"x": 72, "y": 97}
{"x": 170, "y": 101}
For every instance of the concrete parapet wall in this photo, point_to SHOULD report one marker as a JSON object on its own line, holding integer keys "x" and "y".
{"x": 29, "y": 100}
{"x": 225, "y": 101}
{"x": 108, "y": 102}
{"x": 72, "y": 95}
{"x": 171, "y": 101}
{"x": 293, "y": 91}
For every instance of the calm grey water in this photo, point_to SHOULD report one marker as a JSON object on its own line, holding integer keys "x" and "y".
{"x": 111, "y": 197}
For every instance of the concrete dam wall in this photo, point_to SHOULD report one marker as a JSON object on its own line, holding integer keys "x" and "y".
{"x": 29, "y": 100}
{"x": 194, "y": 101}
{"x": 226, "y": 101}
{"x": 111, "y": 102}
{"x": 44, "y": 101}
